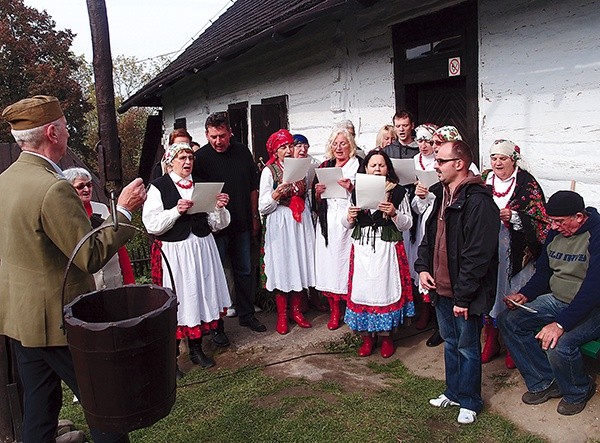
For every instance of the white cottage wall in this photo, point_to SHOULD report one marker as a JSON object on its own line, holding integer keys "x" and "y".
{"x": 539, "y": 77}
{"x": 327, "y": 73}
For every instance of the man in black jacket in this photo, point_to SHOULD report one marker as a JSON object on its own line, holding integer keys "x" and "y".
{"x": 458, "y": 264}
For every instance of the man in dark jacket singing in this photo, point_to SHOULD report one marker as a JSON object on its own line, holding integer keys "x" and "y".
{"x": 458, "y": 264}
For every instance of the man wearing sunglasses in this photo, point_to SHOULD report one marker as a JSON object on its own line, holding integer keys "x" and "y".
{"x": 563, "y": 292}
{"x": 458, "y": 265}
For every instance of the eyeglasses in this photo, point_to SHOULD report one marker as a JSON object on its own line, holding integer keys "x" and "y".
{"x": 561, "y": 221}
{"x": 81, "y": 186}
{"x": 441, "y": 161}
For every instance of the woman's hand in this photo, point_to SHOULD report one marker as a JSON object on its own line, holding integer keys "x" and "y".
{"x": 387, "y": 208}
{"x": 505, "y": 215}
{"x": 346, "y": 183}
{"x": 319, "y": 189}
{"x": 222, "y": 200}
{"x": 280, "y": 190}
{"x": 421, "y": 191}
{"x": 352, "y": 214}
{"x": 183, "y": 205}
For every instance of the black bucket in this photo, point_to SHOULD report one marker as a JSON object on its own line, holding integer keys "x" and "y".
{"x": 124, "y": 351}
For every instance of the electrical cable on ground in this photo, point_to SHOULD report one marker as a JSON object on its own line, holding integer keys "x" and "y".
{"x": 279, "y": 362}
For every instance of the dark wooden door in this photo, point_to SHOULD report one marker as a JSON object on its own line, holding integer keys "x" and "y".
{"x": 423, "y": 49}
{"x": 238, "y": 119}
{"x": 267, "y": 118}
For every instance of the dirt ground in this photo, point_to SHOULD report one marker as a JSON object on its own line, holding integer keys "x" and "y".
{"x": 502, "y": 388}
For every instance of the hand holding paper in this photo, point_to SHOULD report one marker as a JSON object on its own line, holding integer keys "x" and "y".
{"x": 205, "y": 197}
{"x": 330, "y": 177}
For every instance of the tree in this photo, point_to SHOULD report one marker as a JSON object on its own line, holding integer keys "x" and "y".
{"x": 35, "y": 58}
{"x": 129, "y": 75}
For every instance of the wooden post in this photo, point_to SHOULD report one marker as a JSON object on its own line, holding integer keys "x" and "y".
{"x": 110, "y": 157}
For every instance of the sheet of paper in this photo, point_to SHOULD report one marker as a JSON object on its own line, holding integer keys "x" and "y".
{"x": 527, "y": 308}
{"x": 405, "y": 170}
{"x": 370, "y": 190}
{"x": 329, "y": 177}
{"x": 295, "y": 169}
{"x": 205, "y": 197}
{"x": 427, "y": 178}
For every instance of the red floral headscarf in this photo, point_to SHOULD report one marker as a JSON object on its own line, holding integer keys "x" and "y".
{"x": 276, "y": 141}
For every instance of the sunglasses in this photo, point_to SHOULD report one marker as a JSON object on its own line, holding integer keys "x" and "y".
{"x": 81, "y": 186}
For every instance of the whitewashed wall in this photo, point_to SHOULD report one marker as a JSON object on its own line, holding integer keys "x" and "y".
{"x": 327, "y": 73}
{"x": 540, "y": 87}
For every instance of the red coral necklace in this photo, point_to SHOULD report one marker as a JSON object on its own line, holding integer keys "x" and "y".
{"x": 421, "y": 161}
{"x": 188, "y": 185}
{"x": 501, "y": 194}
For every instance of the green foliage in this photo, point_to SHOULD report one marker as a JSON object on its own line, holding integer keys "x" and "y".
{"x": 35, "y": 58}
{"x": 129, "y": 75}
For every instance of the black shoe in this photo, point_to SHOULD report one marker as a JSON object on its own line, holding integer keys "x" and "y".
{"x": 253, "y": 324}
{"x": 565, "y": 408}
{"x": 537, "y": 398}
{"x": 197, "y": 356}
{"x": 435, "y": 340}
{"x": 220, "y": 339}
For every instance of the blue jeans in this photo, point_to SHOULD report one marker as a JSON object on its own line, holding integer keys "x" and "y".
{"x": 236, "y": 247}
{"x": 564, "y": 363}
{"x": 462, "y": 355}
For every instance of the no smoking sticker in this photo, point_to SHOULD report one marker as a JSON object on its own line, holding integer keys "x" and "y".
{"x": 453, "y": 66}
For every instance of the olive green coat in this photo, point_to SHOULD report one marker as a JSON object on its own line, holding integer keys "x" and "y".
{"x": 41, "y": 221}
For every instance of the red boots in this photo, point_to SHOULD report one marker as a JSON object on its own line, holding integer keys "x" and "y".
{"x": 367, "y": 346}
{"x": 508, "y": 361}
{"x": 296, "y": 310}
{"x": 334, "y": 317}
{"x": 492, "y": 345}
{"x": 282, "y": 323}
{"x": 387, "y": 346}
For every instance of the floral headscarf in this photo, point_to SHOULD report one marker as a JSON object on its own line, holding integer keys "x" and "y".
{"x": 424, "y": 132}
{"x": 448, "y": 133}
{"x": 506, "y": 147}
{"x": 276, "y": 141}
{"x": 173, "y": 150}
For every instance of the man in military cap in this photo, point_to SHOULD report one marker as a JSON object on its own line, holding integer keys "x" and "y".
{"x": 41, "y": 222}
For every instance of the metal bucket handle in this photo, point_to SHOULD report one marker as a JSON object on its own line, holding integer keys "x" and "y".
{"x": 115, "y": 226}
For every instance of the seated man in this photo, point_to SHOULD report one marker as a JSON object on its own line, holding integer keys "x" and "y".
{"x": 563, "y": 291}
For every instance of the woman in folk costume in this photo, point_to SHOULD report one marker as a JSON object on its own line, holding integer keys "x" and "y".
{"x": 118, "y": 271}
{"x": 289, "y": 233}
{"x": 333, "y": 241}
{"x": 422, "y": 204}
{"x": 523, "y": 229}
{"x": 380, "y": 289}
{"x": 190, "y": 249}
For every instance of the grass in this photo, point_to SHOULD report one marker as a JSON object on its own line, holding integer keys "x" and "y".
{"x": 230, "y": 406}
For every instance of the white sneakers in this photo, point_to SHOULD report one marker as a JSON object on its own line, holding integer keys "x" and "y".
{"x": 442, "y": 402}
{"x": 465, "y": 416}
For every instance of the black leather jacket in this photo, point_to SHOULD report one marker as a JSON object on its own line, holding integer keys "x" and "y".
{"x": 472, "y": 228}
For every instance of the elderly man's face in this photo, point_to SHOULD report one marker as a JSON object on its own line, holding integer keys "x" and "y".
{"x": 219, "y": 137}
{"x": 568, "y": 225}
